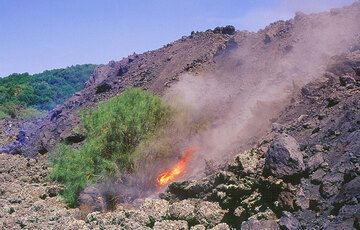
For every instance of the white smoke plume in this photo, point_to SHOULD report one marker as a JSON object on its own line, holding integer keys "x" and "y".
{"x": 254, "y": 81}
{"x": 225, "y": 110}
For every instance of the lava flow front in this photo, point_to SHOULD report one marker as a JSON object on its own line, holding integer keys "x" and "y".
{"x": 171, "y": 174}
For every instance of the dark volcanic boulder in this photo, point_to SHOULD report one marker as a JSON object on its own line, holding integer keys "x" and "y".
{"x": 283, "y": 158}
{"x": 225, "y": 30}
{"x": 190, "y": 189}
{"x": 102, "y": 88}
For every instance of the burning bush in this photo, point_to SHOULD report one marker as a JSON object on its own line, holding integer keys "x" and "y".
{"x": 114, "y": 130}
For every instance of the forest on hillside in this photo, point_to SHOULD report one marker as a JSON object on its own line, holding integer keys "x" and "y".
{"x": 24, "y": 95}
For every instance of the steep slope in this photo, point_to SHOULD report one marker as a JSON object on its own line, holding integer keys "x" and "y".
{"x": 305, "y": 172}
{"x": 154, "y": 70}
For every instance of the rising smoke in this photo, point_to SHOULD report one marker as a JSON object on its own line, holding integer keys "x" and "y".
{"x": 225, "y": 111}
{"x": 257, "y": 75}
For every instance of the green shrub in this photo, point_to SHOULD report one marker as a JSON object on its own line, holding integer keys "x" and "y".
{"x": 3, "y": 115}
{"x": 113, "y": 131}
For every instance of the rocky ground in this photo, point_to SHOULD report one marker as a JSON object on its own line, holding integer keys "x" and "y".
{"x": 28, "y": 200}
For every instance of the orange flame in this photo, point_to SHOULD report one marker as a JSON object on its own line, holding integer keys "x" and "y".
{"x": 171, "y": 174}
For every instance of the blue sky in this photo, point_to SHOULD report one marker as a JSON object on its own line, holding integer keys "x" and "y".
{"x": 36, "y": 35}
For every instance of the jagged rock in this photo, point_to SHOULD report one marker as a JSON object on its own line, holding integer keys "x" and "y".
{"x": 249, "y": 205}
{"x": 190, "y": 189}
{"x": 267, "y": 214}
{"x": 289, "y": 222}
{"x": 182, "y": 210}
{"x": 284, "y": 159}
{"x": 260, "y": 224}
{"x": 318, "y": 148}
{"x": 287, "y": 200}
{"x": 102, "y": 88}
{"x": 225, "y": 30}
{"x": 76, "y": 224}
{"x": 239, "y": 211}
{"x": 129, "y": 224}
{"x": 198, "y": 227}
{"x": 171, "y": 225}
{"x": 317, "y": 176}
{"x": 301, "y": 199}
{"x": 118, "y": 217}
{"x": 221, "y": 226}
{"x": 347, "y": 80}
{"x": 225, "y": 177}
{"x": 157, "y": 209}
{"x": 347, "y": 218}
{"x": 139, "y": 216}
{"x": 38, "y": 206}
{"x": 349, "y": 194}
{"x": 243, "y": 187}
{"x": 302, "y": 117}
{"x": 92, "y": 217}
{"x": 247, "y": 162}
{"x": 43, "y": 196}
{"x": 267, "y": 39}
{"x": 209, "y": 213}
{"x": 271, "y": 186}
{"x": 314, "y": 162}
{"x": 330, "y": 185}
{"x": 54, "y": 191}
{"x": 124, "y": 69}
{"x": 277, "y": 128}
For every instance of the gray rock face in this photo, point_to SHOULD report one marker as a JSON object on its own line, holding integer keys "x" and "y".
{"x": 283, "y": 158}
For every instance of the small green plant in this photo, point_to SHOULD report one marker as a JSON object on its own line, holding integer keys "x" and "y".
{"x": 113, "y": 131}
{"x": 3, "y": 115}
